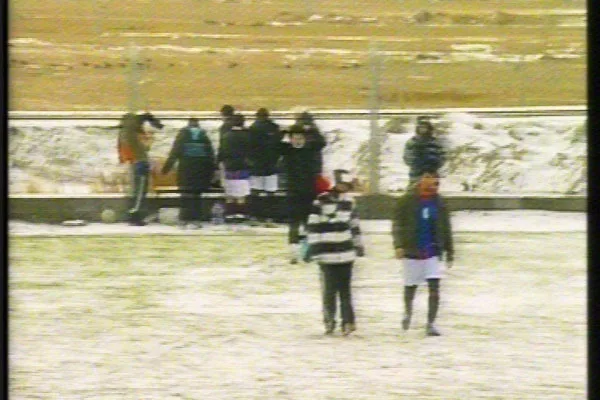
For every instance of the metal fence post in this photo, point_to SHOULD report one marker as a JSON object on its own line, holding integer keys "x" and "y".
{"x": 133, "y": 79}
{"x": 374, "y": 142}
{"x": 98, "y": 17}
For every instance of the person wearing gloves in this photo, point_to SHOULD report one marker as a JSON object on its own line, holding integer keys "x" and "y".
{"x": 334, "y": 241}
{"x": 195, "y": 157}
{"x": 422, "y": 235}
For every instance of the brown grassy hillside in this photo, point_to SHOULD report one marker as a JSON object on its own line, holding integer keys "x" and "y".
{"x": 198, "y": 54}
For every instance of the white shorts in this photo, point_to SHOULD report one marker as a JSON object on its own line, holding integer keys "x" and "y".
{"x": 236, "y": 187}
{"x": 266, "y": 183}
{"x": 418, "y": 271}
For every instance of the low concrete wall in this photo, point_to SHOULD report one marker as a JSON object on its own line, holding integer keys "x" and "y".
{"x": 58, "y": 208}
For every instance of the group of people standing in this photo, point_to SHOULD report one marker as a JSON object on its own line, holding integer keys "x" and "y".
{"x": 247, "y": 165}
{"x": 247, "y": 161}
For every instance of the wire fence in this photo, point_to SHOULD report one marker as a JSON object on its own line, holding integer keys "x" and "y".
{"x": 368, "y": 55}
{"x": 513, "y": 155}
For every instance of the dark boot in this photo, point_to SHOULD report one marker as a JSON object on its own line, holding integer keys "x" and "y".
{"x": 329, "y": 297}
{"x": 434, "y": 302}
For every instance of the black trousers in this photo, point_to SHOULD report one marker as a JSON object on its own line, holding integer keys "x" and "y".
{"x": 299, "y": 207}
{"x": 261, "y": 204}
{"x": 336, "y": 278}
{"x": 190, "y": 205}
{"x": 294, "y": 231}
{"x": 137, "y": 201}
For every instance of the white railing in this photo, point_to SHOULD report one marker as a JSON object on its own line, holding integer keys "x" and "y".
{"x": 321, "y": 114}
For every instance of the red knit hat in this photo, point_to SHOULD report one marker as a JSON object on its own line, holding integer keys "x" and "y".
{"x": 322, "y": 184}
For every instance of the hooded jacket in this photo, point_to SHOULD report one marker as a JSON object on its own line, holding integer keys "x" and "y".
{"x": 195, "y": 157}
{"x": 423, "y": 152}
{"x": 313, "y": 134}
{"x": 300, "y": 168}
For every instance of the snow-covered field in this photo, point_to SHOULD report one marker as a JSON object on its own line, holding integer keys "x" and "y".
{"x": 143, "y": 314}
{"x": 463, "y": 221}
{"x": 486, "y": 155}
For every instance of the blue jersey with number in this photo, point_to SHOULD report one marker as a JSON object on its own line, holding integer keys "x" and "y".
{"x": 428, "y": 213}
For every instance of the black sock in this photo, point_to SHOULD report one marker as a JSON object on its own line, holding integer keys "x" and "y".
{"x": 254, "y": 204}
{"x": 434, "y": 299}
{"x": 270, "y": 204}
{"x": 409, "y": 296}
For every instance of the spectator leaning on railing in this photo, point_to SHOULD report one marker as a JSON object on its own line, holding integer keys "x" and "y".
{"x": 194, "y": 154}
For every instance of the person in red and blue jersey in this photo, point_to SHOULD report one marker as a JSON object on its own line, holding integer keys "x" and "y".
{"x": 422, "y": 235}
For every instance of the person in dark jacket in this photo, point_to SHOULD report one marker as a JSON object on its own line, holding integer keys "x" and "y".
{"x": 299, "y": 163}
{"x": 334, "y": 240}
{"x": 234, "y": 159}
{"x": 306, "y": 122}
{"x": 422, "y": 235}
{"x": 135, "y": 140}
{"x": 195, "y": 157}
{"x": 227, "y": 116}
{"x": 423, "y": 151}
{"x": 264, "y": 155}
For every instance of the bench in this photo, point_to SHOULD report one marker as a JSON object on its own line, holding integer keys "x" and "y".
{"x": 167, "y": 184}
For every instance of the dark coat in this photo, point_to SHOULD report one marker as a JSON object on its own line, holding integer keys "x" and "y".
{"x": 300, "y": 168}
{"x": 195, "y": 159}
{"x": 223, "y": 129}
{"x": 234, "y": 151}
{"x": 405, "y": 221}
{"x": 264, "y": 147}
{"x": 313, "y": 135}
{"x": 423, "y": 153}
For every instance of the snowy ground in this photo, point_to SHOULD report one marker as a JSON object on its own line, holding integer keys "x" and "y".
{"x": 129, "y": 315}
{"x": 463, "y": 221}
{"x": 486, "y": 155}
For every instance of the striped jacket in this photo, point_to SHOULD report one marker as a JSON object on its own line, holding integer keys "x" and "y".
{"x": 333, "y": 231}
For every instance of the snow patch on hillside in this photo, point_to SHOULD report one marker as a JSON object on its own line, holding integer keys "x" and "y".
{"x": 485, "y": 155}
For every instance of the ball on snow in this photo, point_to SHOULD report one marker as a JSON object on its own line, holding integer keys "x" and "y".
{"x": 108, "y": 216}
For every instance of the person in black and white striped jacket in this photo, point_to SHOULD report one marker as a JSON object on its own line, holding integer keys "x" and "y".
{"x": 334, "y": 240}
